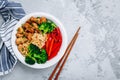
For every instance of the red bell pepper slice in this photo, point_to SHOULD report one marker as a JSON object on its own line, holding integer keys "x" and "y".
{"x": 50, "y": 48}
{"x": 53, "y": 43}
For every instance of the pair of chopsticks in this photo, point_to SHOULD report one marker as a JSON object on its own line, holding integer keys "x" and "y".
{"x": 64, "y": 58}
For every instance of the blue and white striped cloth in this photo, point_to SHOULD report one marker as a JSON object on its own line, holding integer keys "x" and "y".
{"x": 11, "y": 13}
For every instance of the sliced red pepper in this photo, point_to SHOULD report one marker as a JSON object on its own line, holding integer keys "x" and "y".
{"x": 55, "y": 50}
{"x": 50, "y": 48}
{"x": 54, "y": 53}
{"x": 56, "y": 45}
{"x": 53, "y": 43}
{"x": 48, "y": 42}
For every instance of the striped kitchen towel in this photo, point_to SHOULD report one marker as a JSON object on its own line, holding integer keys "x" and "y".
{"x": 11, "y": 13}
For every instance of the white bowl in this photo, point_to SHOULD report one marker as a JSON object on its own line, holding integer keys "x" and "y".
{"x": 53, "y": 60}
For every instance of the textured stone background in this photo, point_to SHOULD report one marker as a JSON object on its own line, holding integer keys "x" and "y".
{"x": 96, "y": 54}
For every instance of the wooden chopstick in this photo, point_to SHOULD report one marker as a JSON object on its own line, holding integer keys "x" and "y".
{"x": 60, "y": 69}
{"x": 69, "y": 48}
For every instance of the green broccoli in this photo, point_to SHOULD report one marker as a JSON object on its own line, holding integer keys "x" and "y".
{"x": 30, "y": 60}
{"x": 44, "y": 27}
{"x": 42, "y": 57}
{"x": 33, "y": 49}
{"x": 47, "y": 27}
{"x": 35, "y": 55}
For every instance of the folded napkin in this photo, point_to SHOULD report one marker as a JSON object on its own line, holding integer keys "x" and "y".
{"x": 11, "y": 13}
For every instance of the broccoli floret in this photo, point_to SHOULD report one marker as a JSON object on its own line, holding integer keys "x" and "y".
{"x": 35, "y": 55}
{"x": 44, "y": 27}
{"x": 33, "y": 49}
{"x": 47, "y": 27}
{"x": 42, "y": 57}
{"x": 30, "y": 60}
